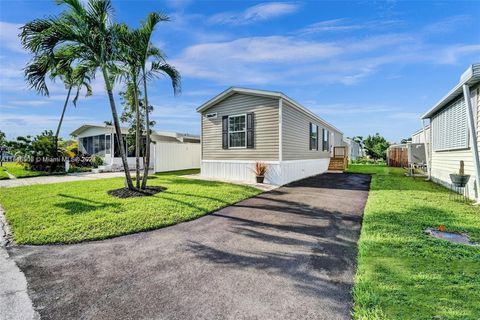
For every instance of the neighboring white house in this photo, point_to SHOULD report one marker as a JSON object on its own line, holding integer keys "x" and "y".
{"x": 419, "y": 136}
{"x": 169, "y": 150}
{"x": 454, "y": 135}
{"x": 355, "y": 151}
{"x": 243, "y": 126}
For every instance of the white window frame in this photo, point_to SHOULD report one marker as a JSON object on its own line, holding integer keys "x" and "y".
{"x": 244, "y": 130}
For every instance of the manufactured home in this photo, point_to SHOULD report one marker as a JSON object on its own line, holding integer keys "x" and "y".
{"x": 240, "y": 127}
{"x": 169, "y": 150}
{"x": 422, "y": 135}
{"x": 454, "y": 124}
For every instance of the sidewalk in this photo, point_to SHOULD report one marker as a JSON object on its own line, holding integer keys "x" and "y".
{"x": 58, "y": 179}
{"x": 15, "y": 304}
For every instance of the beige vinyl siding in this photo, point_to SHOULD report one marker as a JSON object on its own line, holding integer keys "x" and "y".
{"x": 265, "y": 128}
{"x": 295, "y": 135}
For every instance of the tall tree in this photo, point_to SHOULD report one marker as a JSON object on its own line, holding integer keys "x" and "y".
{"x": 87, "y": 30}
{"x": 129, "y": 55}
{"x": 130, "y": 97}
{"x": 158, "y": 67}
{"x": 376, "y": 146}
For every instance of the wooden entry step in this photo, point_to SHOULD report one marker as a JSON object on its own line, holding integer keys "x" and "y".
{"x": 337, "y": 164}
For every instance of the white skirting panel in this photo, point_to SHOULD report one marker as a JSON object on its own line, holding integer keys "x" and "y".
{"x": 443, "y": 177}
{"x": 279, "y": 172}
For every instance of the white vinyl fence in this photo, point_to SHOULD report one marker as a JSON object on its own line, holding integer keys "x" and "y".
{"x": 176, "y": 156}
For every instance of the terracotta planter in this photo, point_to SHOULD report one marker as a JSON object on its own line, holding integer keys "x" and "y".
{"x": 459, "y": 180}
{"x": 260, "y": 179}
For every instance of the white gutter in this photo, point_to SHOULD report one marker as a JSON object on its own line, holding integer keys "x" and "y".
{"x": 280, "y": 129}
{"x": 473, "y": 134}
{"x": 427, "y": 150}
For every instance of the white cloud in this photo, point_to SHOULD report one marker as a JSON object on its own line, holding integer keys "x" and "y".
{"x": 447, "y": 25}
{"x": 9, "y": 36}
{"x": 342, "y": 24}
{"x": 282, "y": 59}
{"x": 32, "y": 124}
{"x": 452, "y": 54}
{"x": 259, "y": 12}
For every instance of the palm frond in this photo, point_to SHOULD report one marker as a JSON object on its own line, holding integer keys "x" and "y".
{"x": 161, "y": 68}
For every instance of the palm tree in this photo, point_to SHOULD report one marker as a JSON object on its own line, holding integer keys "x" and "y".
{"x": 158, "y": 67}
{"x": 88, "y": 31}
{"x": 37, "y": 70}
{"x": 129, "y": 45}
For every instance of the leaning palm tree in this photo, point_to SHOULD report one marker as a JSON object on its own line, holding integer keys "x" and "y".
{"x": 87, "y": 30}
{"x": 42, "y": 66}
{"x": 158, "y": 67}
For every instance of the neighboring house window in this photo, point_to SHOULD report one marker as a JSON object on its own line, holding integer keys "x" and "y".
{"x": 107, "y": 144}
{"x": 116, "y": 152}
{"x": 313, "y": 136}
{"x": 94, "y": 144}
{"x": 237, "y": 131}
{"x": 449, "y": 127}
{"x": 326, "y": 140}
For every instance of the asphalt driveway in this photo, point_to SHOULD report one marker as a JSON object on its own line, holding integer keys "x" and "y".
{"x": 285, "y": 254}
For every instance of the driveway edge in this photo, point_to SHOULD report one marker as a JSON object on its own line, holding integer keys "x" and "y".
{"x": 15, "y": 302}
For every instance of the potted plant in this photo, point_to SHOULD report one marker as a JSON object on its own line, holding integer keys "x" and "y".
{"x": 460, "y": 179}
{"x": 260, "y": 170}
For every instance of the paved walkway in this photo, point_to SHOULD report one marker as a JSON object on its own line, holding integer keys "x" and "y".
{"x": 59, "y": 178}
{"x": 286, "y": 254}
{"x": 15, "y": 303}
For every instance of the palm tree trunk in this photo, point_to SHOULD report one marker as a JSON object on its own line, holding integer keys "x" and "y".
{"x": 147, "y": 126}
{"x": 137, "y": 134}
{"x": 61, "y": 117}
{"x": 118, "y": 131}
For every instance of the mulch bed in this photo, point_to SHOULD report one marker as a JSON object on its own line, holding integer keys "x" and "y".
{"x": 127, "y": 193}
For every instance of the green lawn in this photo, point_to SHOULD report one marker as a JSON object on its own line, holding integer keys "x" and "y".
{"x": 77, "y": 211}
{"x": 3, "y": 174}
{"x": 19, "y": 171}
{"x": 403, "y": 273}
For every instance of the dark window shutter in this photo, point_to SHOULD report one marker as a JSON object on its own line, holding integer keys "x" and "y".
{"x": 250, "y": 130}
{"x": 316, "y": 147}
{"x": 310, "y": 135}
{"x": 225, "y": 132}
{"x": 328, "y": 141}
{"x": 323, "y": 139}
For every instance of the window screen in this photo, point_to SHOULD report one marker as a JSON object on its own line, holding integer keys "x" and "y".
{"x": 237, "y": 131}
{"x": 450, "y": 128}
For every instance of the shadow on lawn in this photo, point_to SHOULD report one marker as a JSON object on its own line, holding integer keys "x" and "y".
{"x": 79, "y": 205}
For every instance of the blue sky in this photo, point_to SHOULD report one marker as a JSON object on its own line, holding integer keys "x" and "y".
{"x": 365, "y": 66}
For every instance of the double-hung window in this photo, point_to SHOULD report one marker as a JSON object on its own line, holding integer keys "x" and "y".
{"x": 313, "y": 136}
{"x": 326, "y": 140}
{"x": 237, "y": 130}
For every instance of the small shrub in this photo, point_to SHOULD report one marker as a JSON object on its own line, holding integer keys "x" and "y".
{"x": 96, "y": 161}
{"x": 366, "y": 160}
